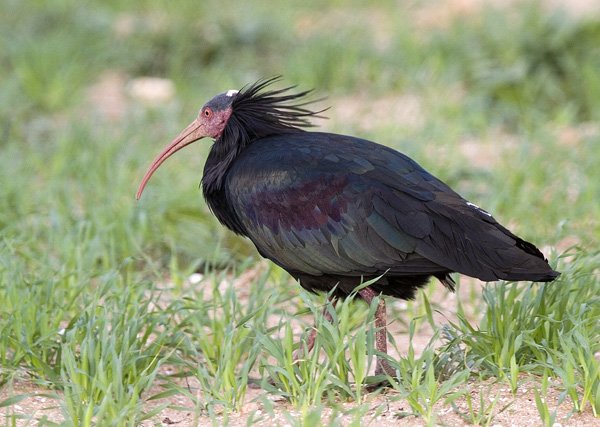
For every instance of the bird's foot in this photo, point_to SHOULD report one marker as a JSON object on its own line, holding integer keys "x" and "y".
{"x": 383, "y": 370}
{"x": 383, "y": 367}
{"x": 267, "y": 384}
{"x": 255, "y": 383}
{"x": 299, "y": 354}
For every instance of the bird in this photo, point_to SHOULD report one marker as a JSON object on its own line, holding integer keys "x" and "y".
{"x": 338, "y": 211}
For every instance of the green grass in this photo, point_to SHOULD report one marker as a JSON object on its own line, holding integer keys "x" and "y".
{"x": 96, "y": 310}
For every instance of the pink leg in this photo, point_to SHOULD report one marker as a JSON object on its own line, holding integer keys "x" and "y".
{"x": 382, "y": 367}
{"x": 313, "y": 333}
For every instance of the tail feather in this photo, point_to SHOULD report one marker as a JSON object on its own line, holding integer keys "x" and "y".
{"x": 533, "y": 266}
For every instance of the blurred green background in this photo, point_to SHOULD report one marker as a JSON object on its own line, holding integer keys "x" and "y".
{"x": 501, "y": 102}
{"x": 444, "y": 81}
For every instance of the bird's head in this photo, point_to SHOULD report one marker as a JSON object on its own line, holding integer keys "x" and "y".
{"x": 239, "y": 117}
{"x": 211, "y": 122}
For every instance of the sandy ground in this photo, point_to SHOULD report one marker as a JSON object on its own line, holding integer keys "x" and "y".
{"x": 385, "y": 407}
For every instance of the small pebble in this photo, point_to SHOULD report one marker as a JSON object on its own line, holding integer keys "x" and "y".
{"x": 195, "y": 278}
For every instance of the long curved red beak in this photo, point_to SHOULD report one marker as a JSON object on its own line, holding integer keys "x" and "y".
{"x": 193, "y": 132}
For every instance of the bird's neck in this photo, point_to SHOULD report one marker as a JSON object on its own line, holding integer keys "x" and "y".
{"x": 217, "y": 165}
{"x": 224, "y": 151}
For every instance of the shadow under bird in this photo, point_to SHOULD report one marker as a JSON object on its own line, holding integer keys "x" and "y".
{"x": 335, "y": 211}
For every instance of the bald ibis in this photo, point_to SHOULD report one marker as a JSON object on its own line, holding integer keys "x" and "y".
{"x": 335, "y": 211}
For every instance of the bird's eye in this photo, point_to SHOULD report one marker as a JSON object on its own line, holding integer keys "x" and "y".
{"x": 207, "y": 112}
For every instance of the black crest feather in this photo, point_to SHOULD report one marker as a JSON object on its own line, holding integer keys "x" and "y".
{"x": 257, "y": 112}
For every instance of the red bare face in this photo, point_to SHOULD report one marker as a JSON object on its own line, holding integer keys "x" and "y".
{"x": 210, "y": 122}
{"x": 213, "y": 121}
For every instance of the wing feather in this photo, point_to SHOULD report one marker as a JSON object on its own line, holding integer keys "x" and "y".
{"x": 327, "y": 204}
